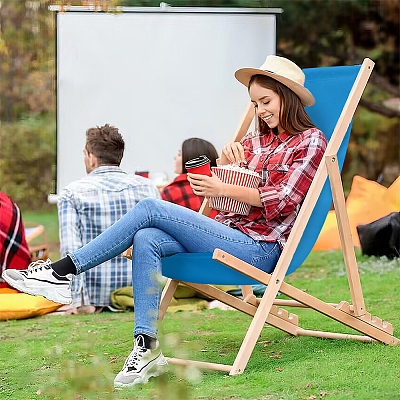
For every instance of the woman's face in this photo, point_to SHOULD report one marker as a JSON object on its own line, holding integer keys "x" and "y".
{"x": 178, "y": 163}
{"x": 267, "y": 104}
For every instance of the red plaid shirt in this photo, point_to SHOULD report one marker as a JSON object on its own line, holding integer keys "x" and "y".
{"x": 287, "y": 165}
{"x": 180, "y": 192}
{"x": 14, "y": 251}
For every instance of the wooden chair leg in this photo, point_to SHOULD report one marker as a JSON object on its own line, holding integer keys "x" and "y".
{"x": 166, "y": 297}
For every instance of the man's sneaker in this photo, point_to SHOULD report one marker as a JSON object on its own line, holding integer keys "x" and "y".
{"x": 141, "y": 365}
{"x": 41, "y": 280}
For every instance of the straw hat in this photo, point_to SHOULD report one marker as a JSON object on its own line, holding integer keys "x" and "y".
{"x": 282, "y": 70}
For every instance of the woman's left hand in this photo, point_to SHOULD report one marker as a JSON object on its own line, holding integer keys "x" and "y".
{"x": 208, "y": 186}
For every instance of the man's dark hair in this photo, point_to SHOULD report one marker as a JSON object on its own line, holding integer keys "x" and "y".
{"x": 106, "y": 143}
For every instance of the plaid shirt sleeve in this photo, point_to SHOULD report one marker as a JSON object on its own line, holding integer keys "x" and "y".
{"x": 180, "y": 192}
{"x": 69, "y": 221}
{"x": 290, "y": 178}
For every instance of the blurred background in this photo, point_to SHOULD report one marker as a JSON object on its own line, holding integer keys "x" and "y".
{"x": 312, "y": 33}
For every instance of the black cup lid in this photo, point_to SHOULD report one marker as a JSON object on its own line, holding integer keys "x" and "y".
{"x": 197, "y": 162}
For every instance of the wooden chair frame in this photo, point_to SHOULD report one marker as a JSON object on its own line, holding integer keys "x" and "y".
{"x": 265, "y": 310}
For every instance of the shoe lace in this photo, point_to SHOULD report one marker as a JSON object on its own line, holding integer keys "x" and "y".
{"x": 39, "y": 264}
{"x": 134, "y": 358}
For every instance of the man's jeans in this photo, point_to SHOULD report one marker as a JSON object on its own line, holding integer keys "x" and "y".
{"x": 155, "y": 229}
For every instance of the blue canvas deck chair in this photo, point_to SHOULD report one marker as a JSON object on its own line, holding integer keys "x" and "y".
{"x": 337, "y": 91}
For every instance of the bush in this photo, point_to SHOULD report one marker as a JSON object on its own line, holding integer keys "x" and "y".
{"x": 27, "y": 161}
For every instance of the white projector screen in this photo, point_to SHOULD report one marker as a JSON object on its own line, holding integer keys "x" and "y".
{"x": 160, "y": 75}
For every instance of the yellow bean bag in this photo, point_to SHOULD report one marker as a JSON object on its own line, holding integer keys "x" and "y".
{"x": 16, "y": 305}
{"x": 367, "y": 202}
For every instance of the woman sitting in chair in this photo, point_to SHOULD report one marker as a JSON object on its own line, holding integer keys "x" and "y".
{"x": 285, "y": 151}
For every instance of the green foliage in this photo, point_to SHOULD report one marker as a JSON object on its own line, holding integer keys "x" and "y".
{"x": 27, "y": 62}
{"x": 27, "y": 161}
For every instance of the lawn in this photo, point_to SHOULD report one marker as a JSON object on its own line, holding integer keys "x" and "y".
{"x": 77, "y": 357}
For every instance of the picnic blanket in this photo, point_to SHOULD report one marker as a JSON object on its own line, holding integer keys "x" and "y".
{"x": 184, "y": 298}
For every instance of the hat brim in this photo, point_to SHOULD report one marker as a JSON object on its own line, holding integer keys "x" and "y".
{"x": 244, "y": 75}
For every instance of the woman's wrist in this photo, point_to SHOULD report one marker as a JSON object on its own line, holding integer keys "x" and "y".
{"x": 222, "y": 189}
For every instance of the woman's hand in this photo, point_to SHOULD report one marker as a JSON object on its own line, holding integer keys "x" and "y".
{"x": 234, "y": 152}
{"x": 208, "y": 186}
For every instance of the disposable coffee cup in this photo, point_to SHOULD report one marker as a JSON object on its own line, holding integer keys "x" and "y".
{"x": 199, "y": 165}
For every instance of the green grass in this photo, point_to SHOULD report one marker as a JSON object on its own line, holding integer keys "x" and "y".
{"x": 77, "y": 357}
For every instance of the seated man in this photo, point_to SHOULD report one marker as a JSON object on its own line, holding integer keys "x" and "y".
{"x": 14, "y": 251}
{"x": 90, "y": 205}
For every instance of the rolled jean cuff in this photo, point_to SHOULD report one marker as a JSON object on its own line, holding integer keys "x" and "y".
{"x": 76, "y": 263}
{"x": 147, "y": 332}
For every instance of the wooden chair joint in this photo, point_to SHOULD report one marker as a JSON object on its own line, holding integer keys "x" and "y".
{"x": 366, "y": 317}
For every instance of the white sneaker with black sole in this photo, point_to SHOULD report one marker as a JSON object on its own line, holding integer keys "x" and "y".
{"x": 141, "y": 365}
{"x": 41, "y": 280}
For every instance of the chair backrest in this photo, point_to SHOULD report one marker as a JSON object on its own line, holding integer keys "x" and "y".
{"x": 331, "y": 87}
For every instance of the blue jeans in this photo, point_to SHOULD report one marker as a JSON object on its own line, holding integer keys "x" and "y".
{"x": 155, "y": 229}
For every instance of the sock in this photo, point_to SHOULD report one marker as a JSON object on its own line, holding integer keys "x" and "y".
{"x": 149, "y": 342}
{"x": 64, "y": 266}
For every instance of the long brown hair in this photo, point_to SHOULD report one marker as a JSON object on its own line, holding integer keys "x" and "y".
{"x": 292, "y": 117}
{"x": 194, "y": 147}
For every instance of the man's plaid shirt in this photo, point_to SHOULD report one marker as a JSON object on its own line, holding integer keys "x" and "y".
{"x": 287, "y": 165}
{"x": 86, "y": 208}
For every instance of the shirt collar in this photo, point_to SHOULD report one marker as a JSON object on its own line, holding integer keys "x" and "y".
{"x": 283, "y": 136}
{"x": 107, "y": 168}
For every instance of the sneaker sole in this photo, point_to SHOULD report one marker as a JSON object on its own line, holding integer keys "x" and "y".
{"x": 157, "y": 370}
{"x": 60, "y": 299}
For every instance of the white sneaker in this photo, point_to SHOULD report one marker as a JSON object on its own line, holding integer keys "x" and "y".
{"x": 141, "y": 365}
{"x": 41, "y": 280}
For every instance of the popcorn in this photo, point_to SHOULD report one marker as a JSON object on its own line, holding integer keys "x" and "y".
{"x": 234, "y": 175}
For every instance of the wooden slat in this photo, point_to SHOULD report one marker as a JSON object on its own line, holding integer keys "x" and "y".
{"x": 200, "y": 364}
{"x": 166, "y": 297}
{"x": 329, "y": 335}
{"x": 345, "y": 234}
{"x": 286, "y": 323}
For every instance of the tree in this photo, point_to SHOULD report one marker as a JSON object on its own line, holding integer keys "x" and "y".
{"x": 26, "y": 59}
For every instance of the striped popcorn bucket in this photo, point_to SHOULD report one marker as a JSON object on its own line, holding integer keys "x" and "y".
{"x": 238, "y": 178}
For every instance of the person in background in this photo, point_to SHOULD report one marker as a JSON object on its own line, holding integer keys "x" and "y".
{"x": 14, "y": 250}
{"x": 179, "y": 190}
{"x": 90, "y": 205}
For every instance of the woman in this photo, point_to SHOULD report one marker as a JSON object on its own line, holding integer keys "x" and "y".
{"x": 179, "y": 190}
{"x": 286, "y": 152}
